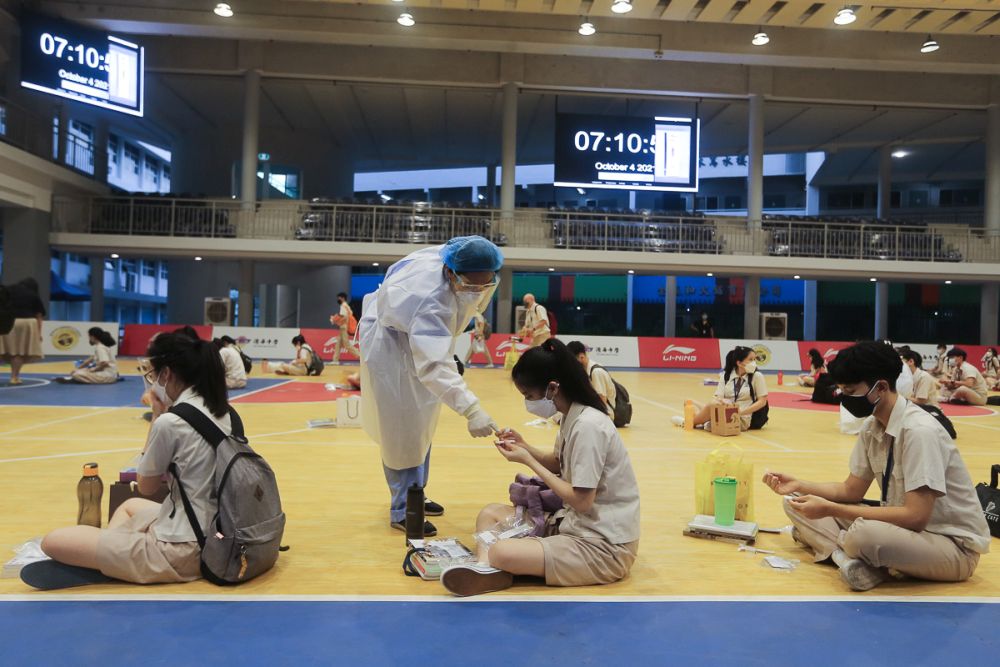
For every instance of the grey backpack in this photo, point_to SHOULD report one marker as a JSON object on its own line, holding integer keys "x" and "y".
{"x": 245, "y": 533}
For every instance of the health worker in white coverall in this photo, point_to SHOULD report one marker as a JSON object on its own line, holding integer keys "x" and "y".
{"x": 408, "y": 331}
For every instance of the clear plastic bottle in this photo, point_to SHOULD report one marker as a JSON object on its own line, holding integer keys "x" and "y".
{"x": 89, "y": 491}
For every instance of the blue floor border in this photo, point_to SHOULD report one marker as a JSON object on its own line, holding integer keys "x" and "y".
{"x": 507, "y": 632}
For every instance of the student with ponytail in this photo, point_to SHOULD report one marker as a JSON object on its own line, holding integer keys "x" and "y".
{"x": 146, "y": 542}
{"x": 741, "y": 385}
{"x": 594, "y": 539}
{"x": 99, "y": 368}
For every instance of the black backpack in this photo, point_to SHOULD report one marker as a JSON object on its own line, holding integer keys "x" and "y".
{"x": 759, "y": 418}
{"x": 316, "y": 364}
{"x": 245, "y": 534}
{"x": 247, "y": 361}
{"x": 6, "y": 311}
{"x": 825, "y": 390}
{"x": 942, "y": 418}
{"x": 622, "y": 407}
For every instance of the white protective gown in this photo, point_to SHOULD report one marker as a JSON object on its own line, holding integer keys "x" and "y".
{"x": 408, "y": 330}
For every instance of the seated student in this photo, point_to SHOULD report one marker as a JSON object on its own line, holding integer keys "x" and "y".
{"x": 600, "y": 379}
{"x": 232, "y": 362}
{"x": 930, "y": 524}
{"x": 298, "y": 366}
{"x": 99, "y": 368}
{"x": 965, "y": 384}
{"x": 925, "y": 388}
{"x": 735, "y": 382}
{"x": 991, "y": 369}
{"x": 595, "y": 538}
{"x": 941, "y": 364}
{"x": 817, "y": 366}
{"x": 147, "y": 542}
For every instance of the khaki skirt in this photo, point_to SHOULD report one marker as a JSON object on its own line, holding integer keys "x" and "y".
{"x": 24, "y": 340}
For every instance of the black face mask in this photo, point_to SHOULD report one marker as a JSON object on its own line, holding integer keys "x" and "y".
{"x": 859, "y": 405}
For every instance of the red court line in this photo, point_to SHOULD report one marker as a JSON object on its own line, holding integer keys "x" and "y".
{"x": 295, "y": 392}
{"x": 800, "y": 401}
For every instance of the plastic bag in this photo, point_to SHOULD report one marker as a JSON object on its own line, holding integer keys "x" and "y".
{"x": 513, "y": 527}
{"x": 725, "y": 461}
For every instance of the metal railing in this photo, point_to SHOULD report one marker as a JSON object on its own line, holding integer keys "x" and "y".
{"x": 35, "y": 134}
{"x": 423, "y": 223}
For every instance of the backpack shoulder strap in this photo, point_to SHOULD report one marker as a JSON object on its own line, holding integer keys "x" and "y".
{"x": 205, "y": 427}
{"x": 753, "y": 394}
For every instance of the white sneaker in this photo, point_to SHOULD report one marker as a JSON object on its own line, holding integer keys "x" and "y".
{"x": 475, "y": 579}
{"x": 677, "y": 420}
{"x": 861, "y": 576}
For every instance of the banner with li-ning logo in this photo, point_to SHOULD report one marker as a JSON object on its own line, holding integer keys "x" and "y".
{"x": 693, "y": 353}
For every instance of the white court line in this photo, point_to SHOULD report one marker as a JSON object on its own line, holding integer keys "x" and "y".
{"x": 61, "y": 421}
{"x": 990, "y": 428}
{"x": 449, "y": 599}
{"x": 257, "y": 391}
{"x": 41, "y": 383}
{"x": 69, "y": 455}
{"x": 744, "y": 434}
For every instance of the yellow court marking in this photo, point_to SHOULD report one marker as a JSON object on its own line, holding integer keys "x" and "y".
{"x": 336, "y": 499}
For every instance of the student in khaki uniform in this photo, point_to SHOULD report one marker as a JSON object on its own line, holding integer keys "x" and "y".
{"x": 991, "y": 369}
{"x": 735, "y": 381}
{"x": 536, "y": 322}
{"x": 594, "y": 539}
{"x": 940, "y": 369}
{"x": 966, "y": 384}
{"x": 600, "y": 379}
{"x": 929, "y": 525}
{"x": 925, "y": 388}
{"x": 478, "y": 343}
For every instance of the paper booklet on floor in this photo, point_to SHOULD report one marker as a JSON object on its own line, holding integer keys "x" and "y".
{"x": 704, "y": 523}
{"x": 437, "y": 555}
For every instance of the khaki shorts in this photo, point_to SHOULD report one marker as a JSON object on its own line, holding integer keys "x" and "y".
{"x": 131, "y": 552}
{"x": 583, "y": 561}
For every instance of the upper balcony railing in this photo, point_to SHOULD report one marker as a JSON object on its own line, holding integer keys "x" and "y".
{"x": 36, "y": 134}
{"x": 423, "y": 223}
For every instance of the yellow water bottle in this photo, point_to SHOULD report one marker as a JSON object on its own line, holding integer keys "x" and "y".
{"x": 689, "y": 411}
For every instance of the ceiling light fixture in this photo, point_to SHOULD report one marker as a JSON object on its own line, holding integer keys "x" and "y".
{"x": 223, "y": 10}
{"x": 631, "y": 272}
{"x": 947, "y": 282}
{"x": 899, "y": 154}
{"x": 115, "y": 255}
{"x": 760, "y": 39}
{"x": 709, "y": 274}
{"x": 551, "y": 269}
{"x": 873, "y": 280}
{"x": 587, "y": 29}
{"x": 621, "y": 6}
{"x": 796, "y": 277}
{"x": 406, "y": 20}
{"x": 197, "y": 259}
{"x": 845, "y": 16}
{"x": 581, "y": 191}
{"x": 374, "y": 263}
{"x": 930, "y": 45}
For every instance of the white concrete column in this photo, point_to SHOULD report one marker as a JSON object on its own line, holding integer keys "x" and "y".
{"x": 809, "y": 311}
{"x": 97, "y": 288}
{"x": 992, "y": 213}
{"x": 251, "y": 129}
{"x": 246, "y": 291}
{"x": 884, "y": 182}
{"x": 670, "y": 308}
{"x": 755, "y": 173}
{"x": 508, "y": 154}
{"x": 751, "y": 307}
{"x": 989, "y": 314}
{"x": 881, "y": 310}
{"x": 505, "y": 302}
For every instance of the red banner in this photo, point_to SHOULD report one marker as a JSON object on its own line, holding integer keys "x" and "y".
{"x": 679, "y": 353}
{"x": 137, "y": 337}
{"x": 828, "y": 349}
{"x": 499, "y": 345}
{"x": 323, "y": 342}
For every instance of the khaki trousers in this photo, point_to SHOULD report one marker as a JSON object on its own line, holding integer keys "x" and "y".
{"x": 921, "y": 555}
{"x": 344, "y": 342}
{"x": 540, "y": 337}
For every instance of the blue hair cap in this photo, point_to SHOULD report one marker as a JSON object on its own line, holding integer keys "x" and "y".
{"x": 464, "y": 254}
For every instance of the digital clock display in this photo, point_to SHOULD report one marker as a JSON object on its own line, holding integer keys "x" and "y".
{"x": 627, "y": 153}
{"x": 82, "y": 64}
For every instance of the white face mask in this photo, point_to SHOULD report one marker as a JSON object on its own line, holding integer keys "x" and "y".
{"x": 160, "y": 391}
{"x": 541, "y": 407}
{"x": 751, "y": 367}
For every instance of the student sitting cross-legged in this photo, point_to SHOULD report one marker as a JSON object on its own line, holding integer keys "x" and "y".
{"x": 929, "y": 525}
{"x": 594, "y": 539}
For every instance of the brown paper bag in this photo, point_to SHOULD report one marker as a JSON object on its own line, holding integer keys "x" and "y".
{"x": 122, "y": 491}
{"x": 725, "y": 420}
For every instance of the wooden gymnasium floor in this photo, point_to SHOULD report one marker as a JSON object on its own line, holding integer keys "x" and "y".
{"x": 336, "y": 500}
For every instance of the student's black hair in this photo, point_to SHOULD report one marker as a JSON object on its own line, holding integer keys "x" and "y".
{"x": 29, "y": 284}
{"x": 735, "y": 355}
{"x": 227, "y": 340}
{"x": 957, "y": 352}
{"x": 914, "y": 356}
{"x": 552, "y": 362}
{"x": 576, "y": 348}
{"x": 944, "y": 345}
{"x": 102, "y": 336}
{"x": 816, "y": 359}
{"x": 188, "y": 331}
{"x": 197, "y": 363}
{"x": 866, "y": 362}
{"x": 343, "y": 294}
{"x": 299, "y": 340}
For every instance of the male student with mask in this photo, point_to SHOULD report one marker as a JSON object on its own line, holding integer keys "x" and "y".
{"x": 925, "y": 388}
{"x": 929, "y": 524}
{"x": 965, "y": 384}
